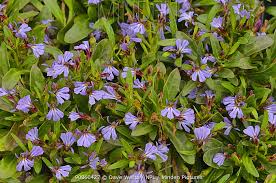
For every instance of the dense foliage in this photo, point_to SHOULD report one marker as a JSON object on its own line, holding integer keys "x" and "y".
{"x": 111, "y": 90}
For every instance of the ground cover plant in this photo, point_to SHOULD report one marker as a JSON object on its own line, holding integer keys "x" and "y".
{"x": 137, "y": 91}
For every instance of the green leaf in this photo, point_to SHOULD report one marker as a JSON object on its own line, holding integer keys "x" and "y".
{"x": 18, "y": 5}
{"x": 249, "y": 166}
{"x": 257, "y": 44}
{"x": 47, "y": 162}
{"x": 182, "y": 144}
{"x": 10, "y": 79}
{"x": 19, "y": 142}
{"x": 106, "y": 26}
{"x": 127, "y": 146}
{"x": 79, "y": 30}
{"x": 70, "y": 5}
{"x": 167, "y": 42}
{"x": 215, "y": 46}
{"x": 265, "y": 121}
{"x": 53, "y": 6}
{"x": 53, "y": 50}
{"x": 228, "y": 86}
{"x": 224, "y": 178}
{"x": 271, "y": 178}
{"x": 8, "y": 166}
{"x": 271, "y": 10}
{"x": 264, "y": 74}
{"x": 28, "y": 14}
{"x": 4, "y": 59}
{"x": 212, "y": 144}
{"x": 37, "y": 79}
{"x": 188, "y": 87}
{"x": 172, "y": 16}
{"x": 199, "y": 3}
{"x": 239, "y": 60}
{"x": 226, "y": 73}
{"x": 171, "y": 87}
{"x": 119, "y": 164}
{"x": 218, "y": 126}
{"x": 103, "y": 51}
{"x": 142, "y": 129}
{"x": 37, "y": 165}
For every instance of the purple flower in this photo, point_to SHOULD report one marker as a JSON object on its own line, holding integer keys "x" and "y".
{"x": 54, "y": 114}
{"x": 127, "y": 31}
{"x": 201, "y": 74}
{"x": 62, "y": 94}
{"x": 131, "y": 120}
{"x": 4, "y": 92}
{"x": 32, "y": 134}
{"x": 84, "y": 46}
{"x": 86, "y": 139}
{"x": 252, "y": 132}
{"x": 24, "y": 163}
{"x": 93, "y": 161}
{"x": 271, "y": 108}
{"x": 109, "y": 72}
{"x": 25, "y": 104}
{"x": 192, "y": 94}
{"x": 228, "y": 126}
{"x": 245, "y": 13}
{"x": 150, "y": 151}
{"x": 202, "y": 134}
{"x": 133, "y": 71}
{"x": 236, "y": 8}
{"x": 61, "y": 65}
{"x": 96, "y": 95}
{"x": 222, "y": 1}
{"x": 94, "y": 1}
{"x": 219, "y": 159}
{"x": 81, "y": 87}
{"x": 182, "y": 46}
{"x": 187, "y": 17}
{"x": 103, "y": 163}
{"x": 210, "y": 58}
{"x": 2, "y": 6}
{"x": 62, "y": 171}
{"x": 109, "y": 132}
{"x": 170, "y": 111}
{"x": 163, "y": 9}
{"x": 68, "y": 139}
{"x": 162, "y": 151}
{"x": 46, "y": 22}
{"x": 186, "y": 119}
{"x": 272, "y": 119}
{"x": 137, "y": 177}
{"x": 110, "y": 94}
{"x": 208, "y": 94}
{"x": 137, "y": 27}
{"x": 21, "y": 32}
{"x": 74, "y": 116}
{"x": 185, "y": 5}
{"x": 139, "y": 84}
{"x": 210, "y": 125}
{"x": 217, "y": 22}
{"x": 38, "y": 49}
{"x": 36, "y": 151}
{"x": 217, "y": 36}
{"x": 233, "y": 106}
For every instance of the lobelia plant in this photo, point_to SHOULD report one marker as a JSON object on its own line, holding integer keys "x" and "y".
{"x": 137, "y": 91}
